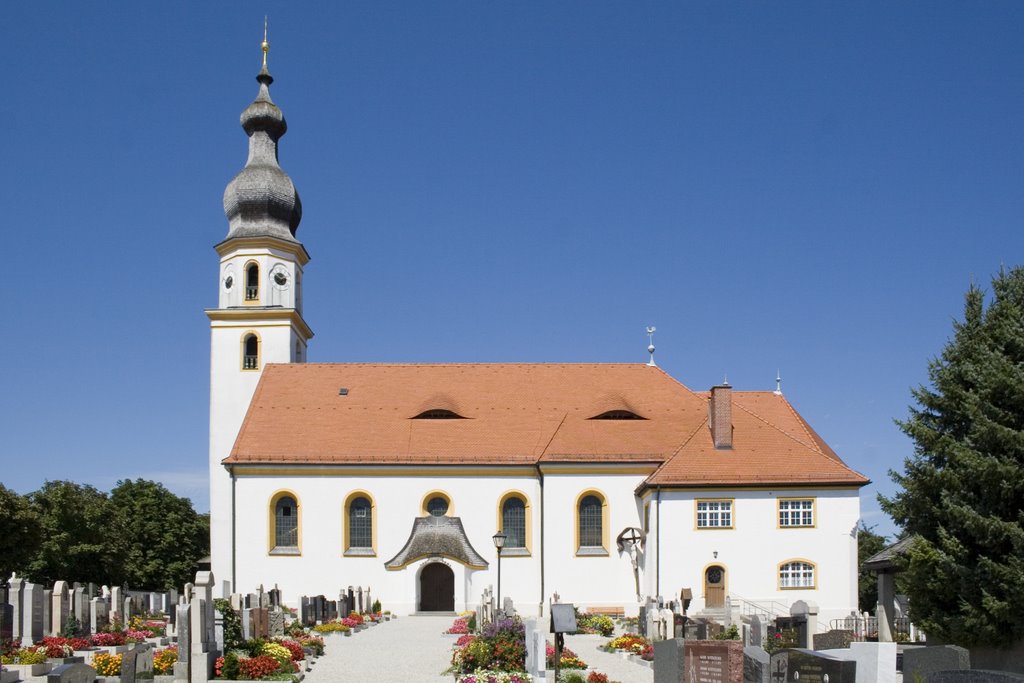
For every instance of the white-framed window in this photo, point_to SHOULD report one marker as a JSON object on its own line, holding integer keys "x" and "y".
{"x": 796, "y": 574}
{"x": 796, "y": 512}
{"x": 714, "y": 514}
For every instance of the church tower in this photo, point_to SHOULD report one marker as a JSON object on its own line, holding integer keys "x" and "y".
{"x": 258, "y": 319}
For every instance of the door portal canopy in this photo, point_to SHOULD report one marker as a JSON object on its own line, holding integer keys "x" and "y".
{"x": 437, "y": 537}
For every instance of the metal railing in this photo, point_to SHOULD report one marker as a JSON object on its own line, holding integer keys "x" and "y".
{"x": 866, "y": 628}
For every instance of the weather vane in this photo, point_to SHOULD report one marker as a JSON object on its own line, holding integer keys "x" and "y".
{"x": 265, "y": 46}
{"x": 650, "y": 343}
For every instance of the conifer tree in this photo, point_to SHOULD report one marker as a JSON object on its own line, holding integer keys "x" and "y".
{"x": 963, "y": 489}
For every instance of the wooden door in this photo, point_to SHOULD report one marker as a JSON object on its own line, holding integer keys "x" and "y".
{"x": 714, "y": 587}
{"x": 437, "y": 588}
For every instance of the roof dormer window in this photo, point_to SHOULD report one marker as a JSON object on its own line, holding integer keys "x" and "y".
{"x": 438, "y": 414}
{"x": 618, "y": 415}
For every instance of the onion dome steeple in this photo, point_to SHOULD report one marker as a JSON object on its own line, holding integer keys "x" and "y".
{"x": 261, "y": 201}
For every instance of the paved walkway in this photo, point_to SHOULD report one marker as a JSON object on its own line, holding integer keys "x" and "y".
{"x": 416, "y": 650}
{"x": 404, "y": 650}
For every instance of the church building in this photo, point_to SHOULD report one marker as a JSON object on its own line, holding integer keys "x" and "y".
{"x": 608, "y": 483}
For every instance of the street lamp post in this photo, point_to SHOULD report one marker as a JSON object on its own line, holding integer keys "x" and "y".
{"x": 499, "y": 543}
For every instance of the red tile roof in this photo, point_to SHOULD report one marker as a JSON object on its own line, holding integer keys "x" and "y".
{"x": 525, "y": 414}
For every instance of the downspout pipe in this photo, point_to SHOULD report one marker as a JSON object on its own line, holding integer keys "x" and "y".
{"x": 540, "y": 477}
{"x": 657, "y": 547}
{"x": 234, "y": 524}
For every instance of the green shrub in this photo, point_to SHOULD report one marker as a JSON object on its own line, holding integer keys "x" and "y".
{"x": 232, "y": 624}
{"x": 376, "y": 607}
{"x": 574, "y": 677}
{"x": 231, "y": 670}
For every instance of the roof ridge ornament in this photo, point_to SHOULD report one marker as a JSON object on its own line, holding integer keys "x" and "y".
{"x": 651, "y": 329}
{"x": 778, "y": 383}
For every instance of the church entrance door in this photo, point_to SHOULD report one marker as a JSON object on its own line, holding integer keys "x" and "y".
{"x": 437, "y": 588}
{"x": 714, "y": 587}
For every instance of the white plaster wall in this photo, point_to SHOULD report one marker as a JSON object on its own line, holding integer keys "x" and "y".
{"x": 751, "y": 551}
{"x": 270, "y": 294}
{"x": 588, "y": 580}
{"x": 322, "y": 568}
{"x": 231, "y": 388}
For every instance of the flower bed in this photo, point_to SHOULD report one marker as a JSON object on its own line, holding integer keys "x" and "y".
{"x": 163, "y": 661}
{"x": 569, "y": 660}
{"x": 483, "y": 676}
{"x": 107, "y": 664}
{"x": 600, "y": 624}
{"x": 501, "y": 647}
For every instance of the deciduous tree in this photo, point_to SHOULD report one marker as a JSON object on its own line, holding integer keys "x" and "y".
{"x": 19, "y": 532}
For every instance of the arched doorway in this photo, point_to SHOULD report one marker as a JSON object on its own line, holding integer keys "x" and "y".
{"x": 437, "y": 588}
{"x": 714, "y": 586}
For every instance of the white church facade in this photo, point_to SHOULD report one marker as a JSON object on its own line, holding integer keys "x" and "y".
{"x": 398, "y": 476}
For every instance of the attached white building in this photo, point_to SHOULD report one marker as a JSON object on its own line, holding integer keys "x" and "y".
{"x": 397, "y": 476}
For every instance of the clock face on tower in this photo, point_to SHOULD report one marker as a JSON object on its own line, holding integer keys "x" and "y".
{"x": 279, "y": 276}
{"x": 228, "y": 281}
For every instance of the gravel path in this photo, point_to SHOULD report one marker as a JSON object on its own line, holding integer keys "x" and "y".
{"x": 405, "y": 650}
{"x": 414, "y": 650}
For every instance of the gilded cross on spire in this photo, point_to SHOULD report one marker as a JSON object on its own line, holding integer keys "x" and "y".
{"x": 265, "y": 46}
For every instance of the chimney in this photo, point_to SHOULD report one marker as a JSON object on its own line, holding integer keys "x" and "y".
{"x": 720, "y": 415}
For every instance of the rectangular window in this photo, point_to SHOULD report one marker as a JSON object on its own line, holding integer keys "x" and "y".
{"x": 796, "y": 512}
{"x": 714, "y": 514}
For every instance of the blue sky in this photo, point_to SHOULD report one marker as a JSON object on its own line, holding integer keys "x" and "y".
{"x": 802, "y": 186}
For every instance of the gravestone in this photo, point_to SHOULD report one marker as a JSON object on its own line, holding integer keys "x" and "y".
{"x": 32, "y": 617}
{"x": 876, "y": 662}
{"x": 78, "y": 607}
{"x": 507, "y": 607}
{"x": 808, "y": 666}
{"x": 17, "y": 600}
{"x": 641, "y": 622}
{"x": 669, "y": 660}
{"x": 126, "y": 609}
{"x": 137, "y": 663}
{"x": 204, "y": 587}
{"x": 117, "y": 604}
{"x": 833, "y": 640}
{"x": 756, "y": 631}
{"x": 6, "y": 622}
{"x": 184, "y": 620}
{"x": 275, "y": 622}
{"x": 98, "y": 613}
{"x": 921, "y": 661}
{"x": 47, "y": 604}
{"x": 756, "y": 665}
{"x": 651, "y": 627}
{"x": 796, "y": 624}
{"x": 778, "y": 666}
{"x": 16, "y": 597}
{"x": 247, "y": 624}
{"x": 715, "y": 661}
{"x": 535, "y": 657}
{"x": 808, "y": 611}
{"x": 260, "y": 625}
{"x": 60, "y": 607}
{"x": 974, "y": 676}
{"x": 72, "y": 673}
{"x": 369, "y": 600}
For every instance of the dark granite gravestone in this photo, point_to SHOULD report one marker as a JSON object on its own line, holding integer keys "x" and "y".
{"x": 756, "y": 665}
{"x": 6, "y": 621}
{"x": 832, "y": 640}
{"x": 714, "y": 661}
{"x": 641, "y": 624}
{"x": 808, "y": 666}
{"x": 921, "y": 661}
{"x": 974, "y": 676}
{"x": 72, "y": 673}
{"x": 669, "y": 661}
{"x": 796, "y": 626}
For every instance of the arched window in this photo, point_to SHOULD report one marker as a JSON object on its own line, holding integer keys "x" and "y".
{"x": 513, "y": 522}
{"x": 251, "y": 352}
{"x": 252, "y": 282}
{"x": 437, "y": 506}
{"x": 284, "y": 525}
{"x": 360, "y": 524}
{"x": 591, "y": 524}
{"x": 796, "y": 574}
